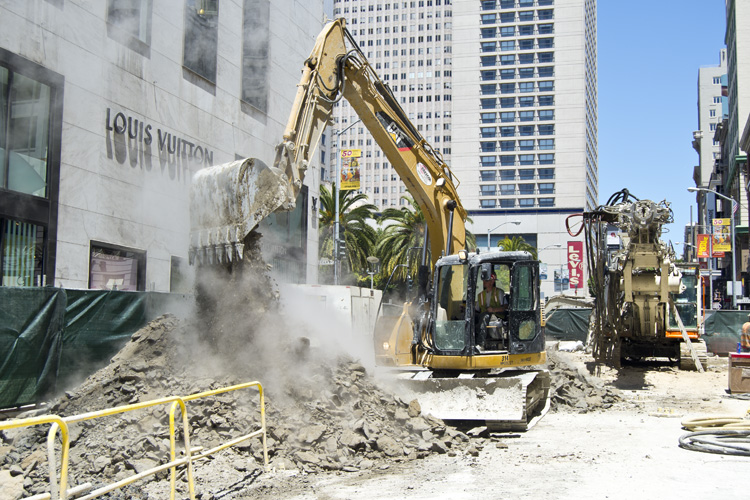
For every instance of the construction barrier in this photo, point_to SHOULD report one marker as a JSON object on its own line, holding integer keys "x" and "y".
{"x": 59, "y": 489}
{"x": 722, "y": 330}
{"x": 49, "y": 336}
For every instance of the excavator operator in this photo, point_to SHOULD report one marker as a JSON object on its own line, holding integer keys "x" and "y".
{"x": 491, "y": 302}
{"x": 491, "y": 299}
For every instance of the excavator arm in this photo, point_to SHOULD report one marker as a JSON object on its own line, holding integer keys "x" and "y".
{"x": 228, "y": 201}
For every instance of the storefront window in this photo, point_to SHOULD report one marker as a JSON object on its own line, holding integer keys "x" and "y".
{"x": 22, "y": 250}
{"x": 30, "y": 135}
{"x": 117, "y": 268}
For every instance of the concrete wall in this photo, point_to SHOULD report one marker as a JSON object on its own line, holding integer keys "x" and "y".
{"x": 130, "y": 190}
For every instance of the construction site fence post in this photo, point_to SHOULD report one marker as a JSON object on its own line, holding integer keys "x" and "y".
{"x": 59, "y": 490}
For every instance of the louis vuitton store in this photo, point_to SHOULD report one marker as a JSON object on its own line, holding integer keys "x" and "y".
{"x": 107, "y": 109}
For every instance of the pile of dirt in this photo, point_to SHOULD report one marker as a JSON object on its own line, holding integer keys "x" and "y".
{"x": 574, "y": 389}
{"x": 323, "y": 411}
{"x": 324, "y": 416}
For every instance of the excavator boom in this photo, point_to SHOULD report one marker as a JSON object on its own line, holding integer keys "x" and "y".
{"x": 228, "y": 201}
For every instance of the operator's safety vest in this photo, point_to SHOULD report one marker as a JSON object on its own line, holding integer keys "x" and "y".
{"x": 494, "y": 299}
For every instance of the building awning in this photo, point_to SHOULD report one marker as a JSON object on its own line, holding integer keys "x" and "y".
{"x": 740, "y": 230}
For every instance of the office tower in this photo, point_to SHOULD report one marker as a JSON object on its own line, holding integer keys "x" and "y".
{"x": 409, "y": 45}
{"x": 507, "y": 91}
{"x": 525, "y": 122}
{"x": 712, "y": 110}
{"x": 738, "y": 90}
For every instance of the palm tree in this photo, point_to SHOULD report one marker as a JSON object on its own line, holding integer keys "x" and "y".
{"x": 516, "y": 244}
{"x": 405, "y": 232}
{"x": 359, "y": 237}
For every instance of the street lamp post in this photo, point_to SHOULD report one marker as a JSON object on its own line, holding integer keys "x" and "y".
{"x": 373, "y": 261}
{"x": 516, "y": 222}
{"x": 731, "y": 235}
{"x": 554, "y": 245}
{"x": 336, "y": 223}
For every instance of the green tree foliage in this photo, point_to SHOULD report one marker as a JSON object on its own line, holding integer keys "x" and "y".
{"x": 404, "y": 231}
{"x": 517, "y": 244}
{"x": 359, "y": 237}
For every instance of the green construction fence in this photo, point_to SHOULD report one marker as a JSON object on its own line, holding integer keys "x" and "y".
{"x": 568, "y": 324}
{"x": 721, "y": 327}
{"x": 53, "y": 337}
{"x": 722, "y": 330}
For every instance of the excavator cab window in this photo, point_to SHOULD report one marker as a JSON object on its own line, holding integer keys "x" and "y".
{"x": 450, "y": 324}
{"x": 686, "y": 302}
{"x": 524, "y": 302}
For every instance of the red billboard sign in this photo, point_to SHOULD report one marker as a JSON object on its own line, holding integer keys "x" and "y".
{"x": 575, "y": 263}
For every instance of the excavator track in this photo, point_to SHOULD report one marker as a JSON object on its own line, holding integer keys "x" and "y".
{"x": 686, "y": 360}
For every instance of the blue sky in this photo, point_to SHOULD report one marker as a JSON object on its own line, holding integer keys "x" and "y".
{"x": 649, "y": 55}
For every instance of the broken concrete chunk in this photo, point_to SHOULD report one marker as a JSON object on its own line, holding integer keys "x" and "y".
{"x": 390, "y": 446}
{"x": 312, "y": 433}
{"x": 353, "y": 440}
{"x": 11, "y": 487}
{"x": 307, "y": 458}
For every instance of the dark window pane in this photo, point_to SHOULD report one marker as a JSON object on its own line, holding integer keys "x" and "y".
{"x": 526, "y": 174}
{"x": 201, "y": 37}
{"x": 255, "y": 64}
{"x": 27, "y": 136}
{"x": 488, "y": 175}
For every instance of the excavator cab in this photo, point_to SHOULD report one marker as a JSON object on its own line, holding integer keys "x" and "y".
{"x": 460, "y": 371}
{"x": 459, "y": 328}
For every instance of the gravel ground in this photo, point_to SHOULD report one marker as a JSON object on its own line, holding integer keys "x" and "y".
{"x": 627, "y": 451}
{"x": 610, "y": 434}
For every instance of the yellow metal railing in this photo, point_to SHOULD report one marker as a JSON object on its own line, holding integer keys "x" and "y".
{"x": 60, "y": 490}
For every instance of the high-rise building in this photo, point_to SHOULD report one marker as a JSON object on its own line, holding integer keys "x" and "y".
{"x": 525, "y": 123}
{"x": 738, "y": 125}
{"x": 507, "y": 91}
{"x": 409, "y": 45}
{"x": 738, "y": 89}
{"x": 712, "y": 109}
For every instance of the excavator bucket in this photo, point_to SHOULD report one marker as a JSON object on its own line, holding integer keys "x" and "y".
{"x": 509, "y": 401}
{"x": 227, "y": 202}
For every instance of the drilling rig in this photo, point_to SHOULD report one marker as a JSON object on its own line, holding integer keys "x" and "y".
{"x": 637, "y": 285}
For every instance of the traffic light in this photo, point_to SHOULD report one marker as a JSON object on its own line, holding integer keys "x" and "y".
{"x": 342, "y": 249}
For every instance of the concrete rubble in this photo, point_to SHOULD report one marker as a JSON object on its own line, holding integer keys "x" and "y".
{"x": 324, "y": 412}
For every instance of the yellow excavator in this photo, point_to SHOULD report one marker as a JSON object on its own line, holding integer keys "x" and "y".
{"x": 463, "y": 364}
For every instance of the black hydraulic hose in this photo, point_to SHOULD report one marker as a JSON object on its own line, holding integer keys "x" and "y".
{"x": 620, "y": 197}
{"x": 450, "y": 205}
